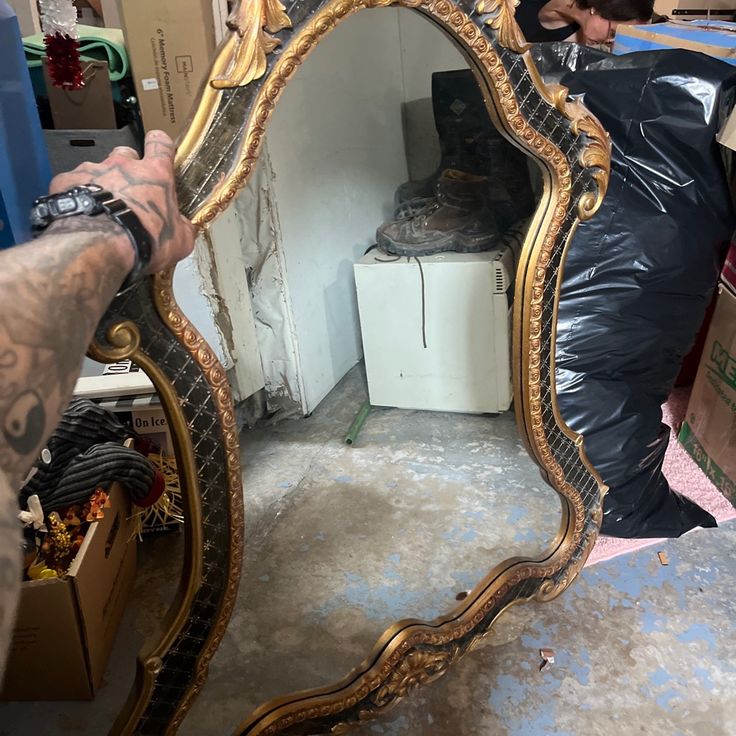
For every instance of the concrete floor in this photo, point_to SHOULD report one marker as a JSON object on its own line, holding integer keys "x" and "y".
{"x": 343, "y": 541}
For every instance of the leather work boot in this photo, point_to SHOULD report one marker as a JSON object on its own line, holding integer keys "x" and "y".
{"x": 412, "y": 206}
{"x": 460, "y": 117}
{"x": 458, "y": 219}
{"x": 469, "y": 142}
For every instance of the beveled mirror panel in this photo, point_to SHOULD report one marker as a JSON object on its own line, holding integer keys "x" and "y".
{"x": 265, "y": 47}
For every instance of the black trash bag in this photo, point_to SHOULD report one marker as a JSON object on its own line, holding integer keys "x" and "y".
{"x": 639, "y": 276}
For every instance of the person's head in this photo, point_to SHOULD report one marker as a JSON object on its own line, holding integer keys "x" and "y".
{"x": 600, "y": 18}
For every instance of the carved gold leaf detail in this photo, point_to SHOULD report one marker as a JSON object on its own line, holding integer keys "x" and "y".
{"x": 245, "y": 50}
{"x": 417, "y": 668}
{"x": 551, "y": 588}
{"x": 597, "y": 152}
{"x": 124, "y": 342}
{"x": 501, "y": 19}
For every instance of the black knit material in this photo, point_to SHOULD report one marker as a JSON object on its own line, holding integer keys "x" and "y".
{"x": 87, "y": 453}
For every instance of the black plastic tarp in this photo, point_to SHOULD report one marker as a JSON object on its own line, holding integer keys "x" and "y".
{"x": 639, "y": 276}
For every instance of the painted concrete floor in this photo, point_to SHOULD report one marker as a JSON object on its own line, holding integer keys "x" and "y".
{"x": 343, "y": 541}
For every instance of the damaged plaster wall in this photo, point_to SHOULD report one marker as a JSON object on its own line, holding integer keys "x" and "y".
{"x": 336, "y": 148}
{"x": 234, "y": 289}
{"x": 224, "y": 275}
{"x": 211, "y": 288}
{"x": 260, "y": 244}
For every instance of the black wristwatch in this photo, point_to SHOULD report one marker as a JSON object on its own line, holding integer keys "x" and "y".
{"x": 92, "y": 200}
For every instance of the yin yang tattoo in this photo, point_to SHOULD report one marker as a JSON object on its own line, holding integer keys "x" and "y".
{"x": 24, "y": 422}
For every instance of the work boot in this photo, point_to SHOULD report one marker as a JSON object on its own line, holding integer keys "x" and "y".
{"x": 460, "y": 117}
{"x": 412, "y": 207}
{"x": 512, "y": 196}
{"x": 469, "y": 142}
{"x": 458, "y": 219}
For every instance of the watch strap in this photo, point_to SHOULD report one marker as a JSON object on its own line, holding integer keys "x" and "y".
{"x": 139, "y": 237}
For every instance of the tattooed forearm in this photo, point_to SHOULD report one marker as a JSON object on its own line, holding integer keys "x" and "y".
{"x": 24, "y": 423}
{"x": 52, "y": 294}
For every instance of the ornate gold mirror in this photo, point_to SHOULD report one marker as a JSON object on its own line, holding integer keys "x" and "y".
{"x": 266, "y": 45}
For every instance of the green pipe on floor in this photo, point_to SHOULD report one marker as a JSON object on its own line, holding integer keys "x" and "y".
{"x": 358, "y": 423}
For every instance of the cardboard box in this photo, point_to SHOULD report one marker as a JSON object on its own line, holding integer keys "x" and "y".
{"x": 696, "y": 9}
{"x": 111, "y": 381}
{"x": 65, "y": 628}
{"x": 714, "y": 38}
{"x": 89, "y": 12}
{"x": 726, "y": 136}
{"x": 728, "y": 274}
{"x": 151, "y": 422}
{"x": 69, "y": 148}
{"x": 170, "y": 44}
{"x": 123, "y": 388}
{"x": 709, "y": 431}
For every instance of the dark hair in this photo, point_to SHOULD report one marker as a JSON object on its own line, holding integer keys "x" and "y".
{"x": 620, "y": 10}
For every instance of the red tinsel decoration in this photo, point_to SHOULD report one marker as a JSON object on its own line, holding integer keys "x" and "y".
{"x": 65, "y": 67}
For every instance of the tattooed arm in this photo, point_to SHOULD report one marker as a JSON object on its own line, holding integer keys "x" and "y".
{"x": 53, "y": 293}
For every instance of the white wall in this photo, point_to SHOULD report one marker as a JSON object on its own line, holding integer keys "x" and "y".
{"x": 424, "y": 49}
{"x": 211, "y": 288}
{"x": 337, "y": 153}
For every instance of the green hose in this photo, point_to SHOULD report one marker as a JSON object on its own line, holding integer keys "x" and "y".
{"x": 358, "y": 423}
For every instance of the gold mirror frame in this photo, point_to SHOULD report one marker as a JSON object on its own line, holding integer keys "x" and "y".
{"x": 265, "y": 46}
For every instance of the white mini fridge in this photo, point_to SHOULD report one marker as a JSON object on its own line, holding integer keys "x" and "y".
{"x": 437, "y": 330}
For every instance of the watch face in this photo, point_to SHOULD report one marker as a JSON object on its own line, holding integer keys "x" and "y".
{"x": 65, "y": 205}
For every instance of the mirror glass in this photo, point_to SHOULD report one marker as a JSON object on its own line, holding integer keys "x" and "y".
{"x": 344, "y": 540}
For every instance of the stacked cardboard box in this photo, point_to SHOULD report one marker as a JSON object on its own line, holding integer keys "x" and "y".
{"x": 709, "y": 430}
